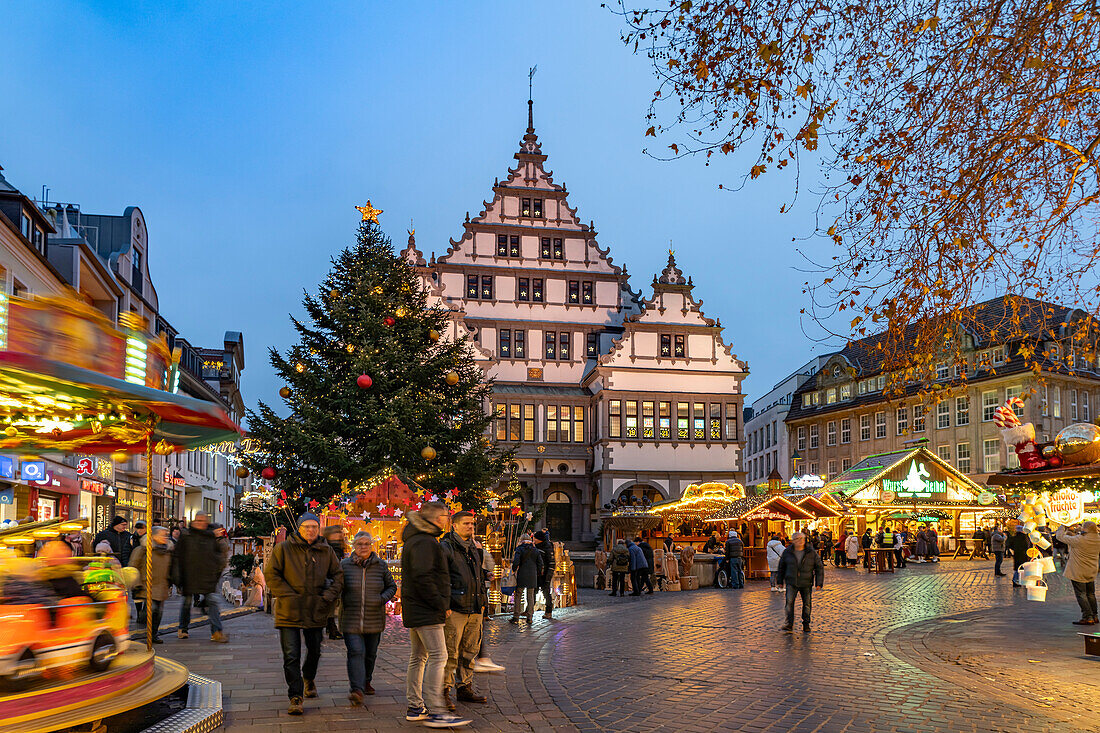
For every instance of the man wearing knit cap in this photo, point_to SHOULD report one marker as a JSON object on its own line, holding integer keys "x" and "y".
{"x": 305, "y": 579}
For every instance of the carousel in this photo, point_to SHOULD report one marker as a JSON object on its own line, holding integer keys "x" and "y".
{"x": 71, "y": 382}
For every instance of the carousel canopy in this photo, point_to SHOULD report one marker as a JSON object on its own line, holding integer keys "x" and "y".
{"x": 700, "y": 500}
{"x": 773, "y": 507}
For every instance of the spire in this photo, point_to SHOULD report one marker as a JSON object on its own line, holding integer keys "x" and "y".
{"x": 530, "y": 143}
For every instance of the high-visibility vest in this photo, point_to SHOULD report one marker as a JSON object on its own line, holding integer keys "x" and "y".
{"x": 887, "y": 538}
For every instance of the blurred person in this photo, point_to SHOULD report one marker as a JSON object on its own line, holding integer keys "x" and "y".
{"x": 620, "y": 566}
{"x": 117, "y": 537}
{"x": 546, "y": 576}
{"x": 305, "y": 579}
{"x": 368, "y": 587}
{"x": 866, "y": 541}
{"x": 800, "y": 568}
{"x": 526, "y": 564}
{"x": 997, "y": 540}
{"x": 1018, "y": 545}
{"x": 162, "y": 570}
{"x": 484, "y": 663}
{"x": 1082, "y": 567}
{"x": 851, "y": 549}
{"x": 637, "y": 567}
{"x": 200, "y": 557}
{"x": 646, "y": 573}
{"x": 334, "y": 536}
{"x": 774, "y": 552}
{"x": 462, "y": 629}
{"x": 425, "y": 606}
{"x": 713, "y": 544}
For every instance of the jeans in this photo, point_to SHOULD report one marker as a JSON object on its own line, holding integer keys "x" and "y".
{"x": 1016, "y": 563}
{"x": 1000, "y": 556}
{"x": 737, "y": 572}
{"x": 773, "y": 576}
{"x": 209, "y": 603}
{"x": 294, "y": 670}
{"x": 549, "y": 599}
{"x": 1086, "y": 597}
{"x": 362, "y": 653}
{"x": 157, "y": 608}
{"x": 530, "y": 611}
{"x": 462, "y": 632}
{"x": 792, "y": 593}
{"x": 427, "y": 658}
{"x": 618, "y": 582}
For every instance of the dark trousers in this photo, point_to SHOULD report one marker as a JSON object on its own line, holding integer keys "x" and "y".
{"x": 899, "y": 555}
{"x": 646, "y": 577}
{"x": 294, "y": 669}
{"x": 792, "y": 593}
{"x": 737, "y": 572}
{"x": 544, "y": 586}
{"x": 1000, "y": 556}
{"x": 839, "y": 558}
{"x": 1086, "y": 597}
{"x": 618, "y": 582}
{"x": 362, "y": 653}
{"x": 636, "y": 581}
{"x": 866, "y": 558}
{"x": 156, "y": 607}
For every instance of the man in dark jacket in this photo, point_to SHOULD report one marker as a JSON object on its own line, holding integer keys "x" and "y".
{"x": 527, "y": 565}
{"x": 425, "y": 606}
{"x": 118, "y": 538}
{"x": 735, "y": 557}
{"x": 1018, "y": 544}
{"x": 800, "y": 568}
{"x": 305, "y": 580}
{"x": 198, "y": 563}
{"x": 546, "y": 575}
{"x": 646, "y": 574}
{"x": 462, "y": 629}
{"x": 865, "y": 542}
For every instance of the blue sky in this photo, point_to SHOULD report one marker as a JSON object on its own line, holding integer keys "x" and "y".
{"x": 247, "y": 131}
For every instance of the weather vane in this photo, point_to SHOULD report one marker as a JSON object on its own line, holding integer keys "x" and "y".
{"x": 531, "y": 79}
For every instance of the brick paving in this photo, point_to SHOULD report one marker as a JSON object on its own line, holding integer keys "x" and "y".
{"x": 931, "y": 648}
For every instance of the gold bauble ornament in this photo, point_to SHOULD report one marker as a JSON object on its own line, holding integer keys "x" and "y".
{"x": 164, "y": 448}
{"x": 285, "y": 393}
{"x": 242, "y": 472}
{"x": 428, "y": 453}
{"x": 377, "y": 290}
{"x": 1079, "y": 444}
{"x": 334, "y": 293}
{"x": 433, "y": 335}
{"x": 400, "y": 312}
{"x": 452, "y": 378}
{"x": 300, "y": 367}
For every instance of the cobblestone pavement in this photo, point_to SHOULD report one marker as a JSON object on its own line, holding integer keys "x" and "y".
{"x": 931, "y": 648}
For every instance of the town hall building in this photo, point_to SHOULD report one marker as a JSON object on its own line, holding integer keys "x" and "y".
{"x": 601, "y": 391}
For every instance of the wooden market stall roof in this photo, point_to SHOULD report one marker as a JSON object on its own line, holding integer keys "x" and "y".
{"x": 700, "y": 500}
{"x": 772, "y": 506}
{"x": 819, "y": 507}
{"x": 875, "y": 467}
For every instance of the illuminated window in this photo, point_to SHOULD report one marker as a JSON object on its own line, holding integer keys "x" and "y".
{"x": 666, "y": 420}
{"x": 501, "y": 421}
{"x": 515, "y": 428}
{"x": 631, "y": 419}
{"x": 830, "y": 396}
{"x": 700, "y": 421}
{"x": 731, "y": 421}
{"x": 614, "y": 415}
{"x": 529, "y": 422}
{"x": 647, "y": 419}
{"x": 682, "y": 420}
{"x": 578, "y": 423}
{"x": 1057, "y": 404}
{"x": 552, "y": 423}
{"x": 845, "y": 392}
{"x": 715, "y": 420}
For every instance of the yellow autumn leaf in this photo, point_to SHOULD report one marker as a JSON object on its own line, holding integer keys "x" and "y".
{"x": 701, "y": 70}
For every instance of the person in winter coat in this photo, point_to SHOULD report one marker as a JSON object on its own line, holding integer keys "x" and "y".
{"x": 200, "y": 557}
{"x": 839, "y": 558}
{"x": 1018, "y": 545}
{"x": 527, "y": 565}
{"x": 425, "y": 606}
{"x": 735, "y": 552}
{"x": 899, "y": 547}
{"x": 851, "y": 549}
{"x": 933, "y": 538}
{"x": 546, "y": 548}
{"x": 462, "y": 629}
{"x": 713, "y": 544}
{"x": 774, "y": 551}
{"x": 1082, "y": 567}
{"x": 161, "y": 577}
{"x": 997, "y": 546}
{"x": 800, "y": 568}
{"x": 334, "y": 536}
{"x": 305, "y": 579}
{"x": 921, "y": 548}
{"x": 620, "y": 566}
{"x": 646, "y": 574}
{"x": 368, "y": 587}
{"x": 637, "y": 567}
{"x": 117, "y": 537}
{"x": 865, "y": 542}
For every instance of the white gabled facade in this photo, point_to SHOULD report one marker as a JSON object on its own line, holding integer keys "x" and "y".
{"x": 583, "y": 366}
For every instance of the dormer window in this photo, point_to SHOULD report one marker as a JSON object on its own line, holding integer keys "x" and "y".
{"x": 537, "y": 210}
{"x": 525, "y": 208}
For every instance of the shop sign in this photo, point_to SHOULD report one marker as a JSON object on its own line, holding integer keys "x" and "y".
{"x": 92, "y": 487}
{"x": 33, "y": 471}
{"x": 7, "y": 467}
{"x": 888, "y": 496}
{"x": 766, "y": 514}
{"x": 1067, "y": 506}
{"x": 95, "y": 468}
{"x": 173, "y": 480}
{"x": 986, "y": 498}
{"x": 7, "y": 496}
{"x": 809, "y": 481}
{"x": 915, "y": 483}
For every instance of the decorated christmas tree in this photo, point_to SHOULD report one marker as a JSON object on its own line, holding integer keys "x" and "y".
{"x": 373, "y": 390}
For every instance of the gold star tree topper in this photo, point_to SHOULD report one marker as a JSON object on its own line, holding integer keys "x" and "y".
{"x": 369, "y": 212}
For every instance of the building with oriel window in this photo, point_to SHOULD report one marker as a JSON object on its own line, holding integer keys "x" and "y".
{"x": 601, "y": 391}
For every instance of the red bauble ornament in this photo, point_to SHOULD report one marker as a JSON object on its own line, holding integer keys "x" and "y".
{"x": 389, "y": 320}
{"x": 364, "y": 381}
{"x": 268, "y": 473}
{"x": 1055, "y": 461}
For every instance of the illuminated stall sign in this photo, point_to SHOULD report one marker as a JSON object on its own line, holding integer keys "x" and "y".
{"x": 766, "y": 514}
{"x": 915, "y": 482}
{"x": 173, "y": 480}
{"x": 809, "y": 481}
{"x": 1068, "y": 506}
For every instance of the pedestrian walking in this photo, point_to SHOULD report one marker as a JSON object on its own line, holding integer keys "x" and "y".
{"x": 839, "y": 558}
{"x": 827, "y": 545}
{"x": 774, "y": 551}
{"x": 1082, "y": 567}
{"x": 334, "y": 536}
{"x": 462, "y": 629}
{"x": 117, "y": 538}
{"x": 735, "y": 551}
{"x": 305, "y": 580}
{"x": 620, "y": 566}
{"x": 997, "y": 546}
{"x": 526, "y": 564}
{"x": 546, "y": 576}
{"x": 425, "y": 606}
{"x": 921, "y": 547}
{"x": 851, "y": 549}
{"x": 1018, "y": 545}
{"x": 637, "y": 567}
{"x": 200, "y": 557}
{"x": 646, "y": 573}
{"x": 161, "y": 577}
{"x": 800, "y": 568}
{"x": 368, "y": 587}
{"x": 865, "y": 542}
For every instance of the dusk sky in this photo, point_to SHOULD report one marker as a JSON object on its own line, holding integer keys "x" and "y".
{"x": 247, "y": 132}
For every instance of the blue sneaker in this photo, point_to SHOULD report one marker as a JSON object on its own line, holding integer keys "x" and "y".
{"x": 446, "y": 720}
{"x": 414, "y": 714}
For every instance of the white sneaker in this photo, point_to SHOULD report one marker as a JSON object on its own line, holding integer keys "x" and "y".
{"x": 445, "y": 720}
{"x": 487, "y": 665}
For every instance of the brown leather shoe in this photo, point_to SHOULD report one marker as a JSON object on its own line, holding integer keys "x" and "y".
{"x": 466, "y": 694}
{"x": 310, "y": 688}
{"x": 355, "y": 698}
{"x": 295, "y": 707}
{"x": 219, "y": 637}
{"x": 369, "y": 690}
{"x": 447, "y": 699}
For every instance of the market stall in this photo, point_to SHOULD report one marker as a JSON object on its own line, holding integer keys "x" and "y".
{"x": 755, "y": 518}
{"x": 684, "y": 519}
